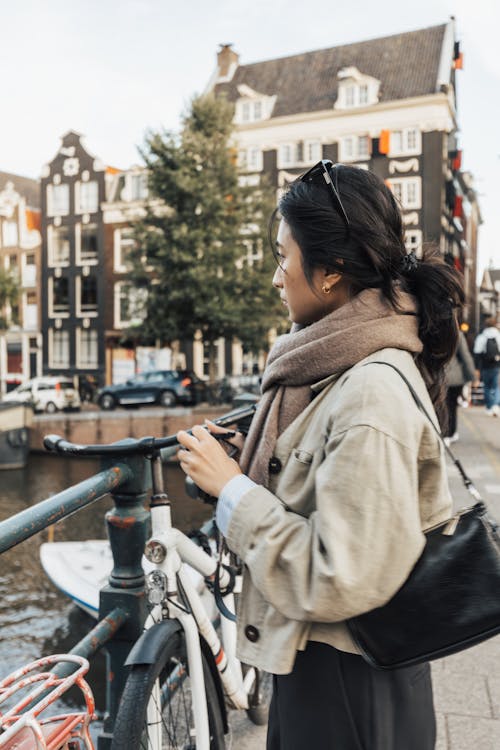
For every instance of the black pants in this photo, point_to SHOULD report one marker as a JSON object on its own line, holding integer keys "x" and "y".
{"x": 335, "y": 701}
{"x": 452, "y": 394}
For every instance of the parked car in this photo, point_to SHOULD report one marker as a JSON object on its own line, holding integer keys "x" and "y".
{"x": 164, "y": 387}
{"x": 49, "y": 393}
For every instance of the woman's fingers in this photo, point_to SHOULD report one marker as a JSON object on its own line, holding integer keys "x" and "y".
{"x": 237, "y": 440}
{"x": 205, "y": 460}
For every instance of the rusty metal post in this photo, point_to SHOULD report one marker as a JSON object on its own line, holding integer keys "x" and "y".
{"x": 128, "y": 528}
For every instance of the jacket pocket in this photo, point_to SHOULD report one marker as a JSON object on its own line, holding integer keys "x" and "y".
{"x": 305, "y": 457}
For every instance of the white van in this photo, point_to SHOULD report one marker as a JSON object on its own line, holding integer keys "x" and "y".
{"x": 49, "y": 394}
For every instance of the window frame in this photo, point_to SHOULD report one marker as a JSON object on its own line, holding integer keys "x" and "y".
{"x": 79, "y": 209}
{"x": 404, "y": 183}
{"x": 53, "y": 364}
{"x": 80, "y": 362}
{"x": 80, "y": 313}
{"x": 53, "y": 313}
{"x": 51, "y": 231}
{"x": 355, "y": 154}
{"x": 118, "y": 322}
{"x": 78, "y": 245}
{"x": 10, "y": 224}
{"x": 404, "y": 149}
{"x": 51, "y": 189}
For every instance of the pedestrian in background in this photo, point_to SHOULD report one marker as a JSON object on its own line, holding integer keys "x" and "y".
{"x": 459, "y": 372}
{"x": 487, "y": 361}
{"x": 341, "y": 470}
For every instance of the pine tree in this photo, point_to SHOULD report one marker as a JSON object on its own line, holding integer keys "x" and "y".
{"x": 195, "y": 244}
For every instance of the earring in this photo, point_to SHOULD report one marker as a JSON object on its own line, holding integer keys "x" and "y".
{"x": 326, "y": 289}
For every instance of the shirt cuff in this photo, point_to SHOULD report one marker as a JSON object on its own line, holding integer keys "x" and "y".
{"x": 229, "y": 497}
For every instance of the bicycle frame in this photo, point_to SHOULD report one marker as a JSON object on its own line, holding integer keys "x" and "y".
{"x": 195, "y": 621}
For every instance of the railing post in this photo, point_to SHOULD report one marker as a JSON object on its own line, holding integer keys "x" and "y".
{"x": 128, "y": 527}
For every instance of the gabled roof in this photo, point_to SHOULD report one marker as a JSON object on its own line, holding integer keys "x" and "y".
{"x": 406, "y": 64}
{"x": 25, "y": 186}
{"x": 494, "y": 275}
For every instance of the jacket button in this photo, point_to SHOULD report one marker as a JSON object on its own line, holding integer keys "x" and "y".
{"x": 252, "y": 633}
{"x": 274, "y": 465}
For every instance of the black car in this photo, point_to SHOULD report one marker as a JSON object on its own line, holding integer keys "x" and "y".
{"x": 164, "y": 387}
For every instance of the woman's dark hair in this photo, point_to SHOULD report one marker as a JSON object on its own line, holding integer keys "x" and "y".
{"x": 370, "y": 253}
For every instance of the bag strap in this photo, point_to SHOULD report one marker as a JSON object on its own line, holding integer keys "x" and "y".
{"x": 465, "y": 479}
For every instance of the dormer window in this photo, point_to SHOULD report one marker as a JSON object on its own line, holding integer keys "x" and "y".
{"x": 356, "y": 89}
{"x": 250, "y": 111}
{"x": 252, "y": 107}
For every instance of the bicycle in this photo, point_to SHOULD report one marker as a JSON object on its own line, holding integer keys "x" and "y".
{"x": 183, "y": 677}
{"x": 32, "y": 689}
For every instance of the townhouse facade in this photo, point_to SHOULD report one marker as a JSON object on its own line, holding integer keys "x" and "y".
{"x": 387, "y": 104}
{"x": 20, "y": 254}
{"x": 72, "y": 191}
{"x": 489, "y": 295}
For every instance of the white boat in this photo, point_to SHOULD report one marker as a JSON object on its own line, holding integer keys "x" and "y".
{"x": 81, "y": 569}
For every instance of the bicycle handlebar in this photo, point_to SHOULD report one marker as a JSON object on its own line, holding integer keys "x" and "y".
{"x": 146, "y": 446}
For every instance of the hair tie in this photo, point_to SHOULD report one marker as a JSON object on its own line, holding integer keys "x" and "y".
{"x": 409, "y": 263}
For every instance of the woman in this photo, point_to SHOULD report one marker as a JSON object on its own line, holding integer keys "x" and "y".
{"x": 340, "y": 472}
{"x": 459, "y": 372}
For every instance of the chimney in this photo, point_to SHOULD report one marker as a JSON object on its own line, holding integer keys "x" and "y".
{"x": 227, "y": 62}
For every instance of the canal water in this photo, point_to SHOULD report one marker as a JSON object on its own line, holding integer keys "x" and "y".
{"x": 35, "y": 618}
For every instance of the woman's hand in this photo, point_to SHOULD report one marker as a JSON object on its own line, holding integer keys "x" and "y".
{"x": 204, "y": 460}
{"x": 238, "y": 440}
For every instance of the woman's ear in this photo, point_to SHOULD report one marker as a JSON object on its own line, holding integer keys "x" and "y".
{"x": 332, "y": 278}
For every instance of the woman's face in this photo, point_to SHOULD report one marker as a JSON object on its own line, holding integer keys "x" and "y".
{"x": 306, "y": 302}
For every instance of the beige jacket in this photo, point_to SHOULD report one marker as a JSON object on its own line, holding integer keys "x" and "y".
{"x": 357, "y": 476}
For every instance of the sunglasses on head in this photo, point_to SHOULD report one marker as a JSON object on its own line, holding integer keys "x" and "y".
{"x": 324, "y": 172}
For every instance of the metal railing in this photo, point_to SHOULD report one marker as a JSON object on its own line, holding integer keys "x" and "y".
{"x": 122, "y": 602}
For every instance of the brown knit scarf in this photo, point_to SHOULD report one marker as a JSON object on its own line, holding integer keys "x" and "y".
{"x": 305, "y": 356}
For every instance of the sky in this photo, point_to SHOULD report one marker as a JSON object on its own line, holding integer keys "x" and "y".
{"x": 113, "y": 69}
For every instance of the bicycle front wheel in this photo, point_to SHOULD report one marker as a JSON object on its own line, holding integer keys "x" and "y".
{"x": 156, "y": 711}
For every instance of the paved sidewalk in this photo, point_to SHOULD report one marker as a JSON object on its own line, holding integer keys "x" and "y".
{"x": 466, "y": 685}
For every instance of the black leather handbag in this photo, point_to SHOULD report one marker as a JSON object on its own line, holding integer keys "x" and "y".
{"x": 451, "y": 599}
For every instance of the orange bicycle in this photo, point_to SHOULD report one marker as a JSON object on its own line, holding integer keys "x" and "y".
{"x": 31, "y": 690}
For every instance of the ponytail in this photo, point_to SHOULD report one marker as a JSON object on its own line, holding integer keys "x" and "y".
{"x": 438, "y": 288}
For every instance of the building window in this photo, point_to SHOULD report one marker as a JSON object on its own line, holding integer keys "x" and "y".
{"x": 354, "y": 148}
{"x": 86, "y": 347}
{"x": 139, "y": 186}
{"x": 251, "y": 111}
{"x": 407, "y": 191}
{"x": 29, "y": 271}
{"x": 299, "y": 153}
{"x": 58, "y": 348}
{"x": 405, "y": 142}
{"x": 413, "y": 241}
{"x": 354, "y": 95}
{"x": 250, "y": 159}
{"x": 10, "y": 234}
{"x": 58, "y": 200}
{"x": 123, "y": 244}
{"x": 59, "y": 296}
{"x": 86, "y": 197}
{"x": 129, "y": 305}
{"x": 86, "y": 244}
{"x": 58, "y": 245}
{"x": 86, "y": 295}
{"x": 312, "y": 151}
{"x": 349, "y": 96}
{"x": 30, "y": 316}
